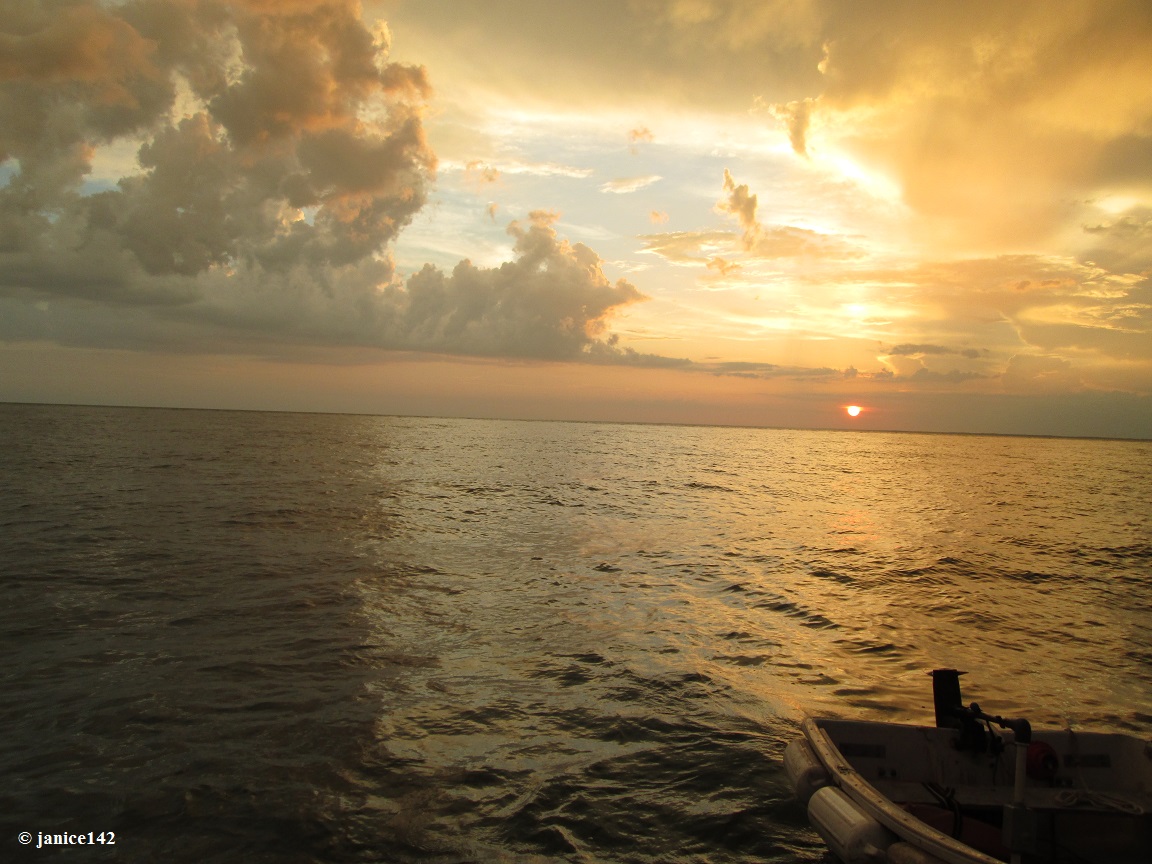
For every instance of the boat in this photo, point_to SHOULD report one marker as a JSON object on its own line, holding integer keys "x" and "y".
{"x": 973, "y": 789}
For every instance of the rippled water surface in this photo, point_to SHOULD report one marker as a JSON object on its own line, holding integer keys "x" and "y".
{"x": 242, "y": 637}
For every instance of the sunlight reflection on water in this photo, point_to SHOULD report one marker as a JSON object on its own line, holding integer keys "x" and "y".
{"x": 476, "y": 640}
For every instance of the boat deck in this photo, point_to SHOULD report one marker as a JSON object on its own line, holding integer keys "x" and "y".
{"x": 1099, "y": 799}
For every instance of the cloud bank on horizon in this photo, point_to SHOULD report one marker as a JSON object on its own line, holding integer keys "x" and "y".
{"x": 941, "y": 197}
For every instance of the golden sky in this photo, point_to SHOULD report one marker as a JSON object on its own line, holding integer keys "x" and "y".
{"x": 686, "y": 211}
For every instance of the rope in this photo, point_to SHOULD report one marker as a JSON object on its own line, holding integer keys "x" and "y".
{"x": 1089, "y": 797}
{"x": 1092, "y": 798}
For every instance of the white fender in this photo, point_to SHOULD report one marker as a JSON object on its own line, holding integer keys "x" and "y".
{"x": 852, "y": 835}
{"x": 804, "y": 770}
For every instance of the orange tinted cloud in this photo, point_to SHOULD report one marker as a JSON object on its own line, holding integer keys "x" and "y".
{"x": 722, "y": 266}
{"x": 741, "y": 204}
{"x": 637, "y": 136}
{"x": 796, "y": 115}
{"x": 991, "y": 115}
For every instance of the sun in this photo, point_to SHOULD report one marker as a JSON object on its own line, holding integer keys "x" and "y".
{"x": 853, "y": 410}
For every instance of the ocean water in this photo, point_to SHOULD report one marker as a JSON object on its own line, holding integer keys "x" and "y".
{"x": 247, "y": 637}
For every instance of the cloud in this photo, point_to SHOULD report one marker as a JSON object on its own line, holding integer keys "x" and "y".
{"x": 787, "y": 241}
{"x": 657, "y": 217}
{"x": 637, "y": 136}
{"x": 625, "y": 185}
{"x": 911, "y": 363}
{"x": 721, "y": 265}
{"x": 989, "y": 116}
{"x": 480, "y": 173}
{"x": 1018, "y": 305}
{"x": 552, "y": 302}
{"x": 985, "y": 117}
{"x": 1054, "y": 305}
{"x": 773, "y": 371}
{"x": 796, "y": 115}
{"x": 280, "y": 154}
{"x": 1041, "y": 373}
{"x": 768, "y": 243}
{"x": 741, "y": 204}
{"x": 493, "y": 169}
{"x": 648, "y": 54}
{"x": 688, "y": 247}
{"x": 1125, "y": 159}
{"x": 315, "y": 121}
{"x": 1123, "y": 244}
{"x": 952, "y": 376}
{"x": 911, "y": 350}
{"x": 777, "y": 241}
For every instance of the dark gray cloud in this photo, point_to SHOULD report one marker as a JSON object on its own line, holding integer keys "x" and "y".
{"x": 766, "y": 371}
{"x": 552, "y": 301}
{"x": 909, "y": 349}
{"x": 952, "y": 376}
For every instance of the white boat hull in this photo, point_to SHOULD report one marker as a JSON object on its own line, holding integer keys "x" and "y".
{"x": 912, "y": 789}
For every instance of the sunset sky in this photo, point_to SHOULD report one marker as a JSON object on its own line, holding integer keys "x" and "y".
{"x": 687, "y": 211}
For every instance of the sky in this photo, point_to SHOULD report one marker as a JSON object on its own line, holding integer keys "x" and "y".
{"x": 689, "y": 211}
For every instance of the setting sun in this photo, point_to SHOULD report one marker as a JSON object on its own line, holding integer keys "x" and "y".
{"x": 853, "y": 410}
{"x": 321, "y": 195}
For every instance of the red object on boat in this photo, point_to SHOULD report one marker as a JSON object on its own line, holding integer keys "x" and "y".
{"x": 1042, "y": 761}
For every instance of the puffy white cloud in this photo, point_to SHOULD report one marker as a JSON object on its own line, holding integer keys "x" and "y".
{"x": 295, "y": 110}
{"x": 280, "y": 155}
{"x": 552, "y": 301}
